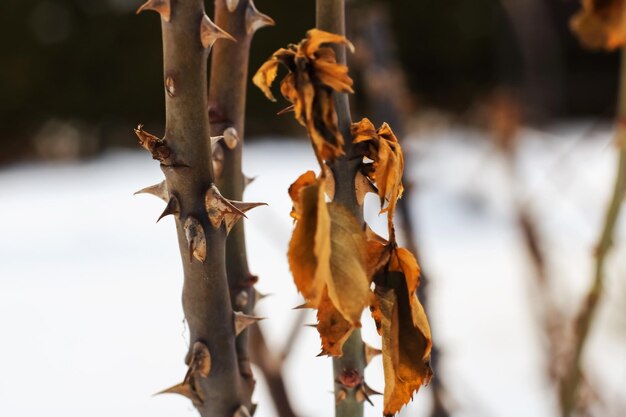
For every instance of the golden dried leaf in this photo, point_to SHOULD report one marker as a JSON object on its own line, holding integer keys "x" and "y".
{"x": 309, "y": 248}
{"x": 406, "y": 348}
{"x": 333, "y": 328}
{"x": 601, "y": 24}
{"x": 378, "y": 253}
{"x": 384, "y": 149}
{"x": 348, "y": 284}
{"x": 313, "y": 76}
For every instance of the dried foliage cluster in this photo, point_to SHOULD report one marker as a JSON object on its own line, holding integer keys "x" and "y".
{"x": 339, "y": 264}
{"x": 601, "y": 24}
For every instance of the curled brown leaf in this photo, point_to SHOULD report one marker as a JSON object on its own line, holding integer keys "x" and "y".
{"x": 313, "y": 74}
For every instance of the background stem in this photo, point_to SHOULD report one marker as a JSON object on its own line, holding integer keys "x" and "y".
{"x": 571, "y": 383}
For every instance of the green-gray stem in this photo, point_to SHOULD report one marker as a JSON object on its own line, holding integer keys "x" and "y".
{"x": 330, "y": 16}
{"x": 227, "y": 107}
{"x": 570, "y": 385}
{"x": 205, "y": 289}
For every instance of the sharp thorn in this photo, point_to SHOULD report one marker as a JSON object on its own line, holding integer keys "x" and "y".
{"x": 162, "y": 7}
{"x": 248, "y": 180}
{"x": 244, "y": 207}
{"x": 171, "y": 208}
{"x": 255, "y": 19}
{"x": 370, "y": 352}
{"x": 157, "y": 190}
{"x": 242, "y": 412}
{"x": 242, "y": 321}
{"x": 210, "y": 32}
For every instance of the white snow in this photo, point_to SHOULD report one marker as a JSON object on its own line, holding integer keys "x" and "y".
{"x": 90, "y": 318}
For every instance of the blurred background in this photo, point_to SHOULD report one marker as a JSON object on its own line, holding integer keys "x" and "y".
{"x": 506, "y": 124}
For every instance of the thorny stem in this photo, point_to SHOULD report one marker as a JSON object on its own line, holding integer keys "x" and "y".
{"x": 570, "y": 384}
{"x": 227, "y": 102}
{"x": 210, "y": 319}
{"x": 331, "y": 18}
{"x": 227, "y": 105}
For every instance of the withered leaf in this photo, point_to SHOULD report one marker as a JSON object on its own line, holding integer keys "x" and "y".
{"x": 313, "y": 76}
{"x": 384, "y": 149}
{"x": 601, "y": 24}
{"x": 309, "y": 248}
{"x": 406, "y": 348}
{"x": 333, "y": 328}
{"x": 348, "y": 285}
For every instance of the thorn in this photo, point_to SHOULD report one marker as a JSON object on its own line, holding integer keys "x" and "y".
{"x": 232, "y": 5}
{"x": 209, "y": 33}
{"x": 231, "y": 138}
{"x": 313, "y": 326}
{"x": 253, "y": 408}
{"x": 157, "y": 190}
{"x": 255, "y": 20}
{"x": 286, "y": 110}
{"x": 215, "y": 140}
{"x": 200, "y": 362}
{"x": 361, "y": 396}
{"x": 171, "y": 208}
{"x": 370, "y": 352}
{"x": 258, "y": 296}
{"x": 242, "y": 412}
{"x": 304, "y": 306}
{"x": 242, "y": 321}
{"x": 186, "y": 390}
{"x": 246, "y": 207}
{"x": 248, "y": 180}
{"x": 369, "y": 391}
{"x": 322, "y": 353}
{"x": 162, "y": 7}
{"x": 195, "y": 239}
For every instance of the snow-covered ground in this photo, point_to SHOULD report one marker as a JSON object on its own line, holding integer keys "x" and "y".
{"x": 90, "y": 318}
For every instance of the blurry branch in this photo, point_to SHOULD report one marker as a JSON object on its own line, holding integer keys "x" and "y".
{"x": 271, "y": 367}
{"x": 542, "y": 67}
{"x": 388, "y": 99}
{"x": 569, "y": 390}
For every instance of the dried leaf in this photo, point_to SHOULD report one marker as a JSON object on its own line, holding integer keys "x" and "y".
{"x": 313, "y": 76}
{"x": 378, "y": 253}
{"x": 309, "y": 247}
{"x": 333, "y": 328}
{"x": 601, "y": 24}
{"x": 384, "y": 149}
{"x": 348, "y": 285}
{"x": 406, "y": 348}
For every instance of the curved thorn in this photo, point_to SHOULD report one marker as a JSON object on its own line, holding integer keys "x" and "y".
{"x": 157, "y": 190}
{"x": 255, "y": 20}
{"x": 162, "y": 7}
{"x": 370, "y": 352}
{"x": 242, "y": 412}
{"x": 210, "y": 32}
{"x": 286, "y": 110}
{"x": 242, "y": 321}
{"x": 171, "y": 208}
